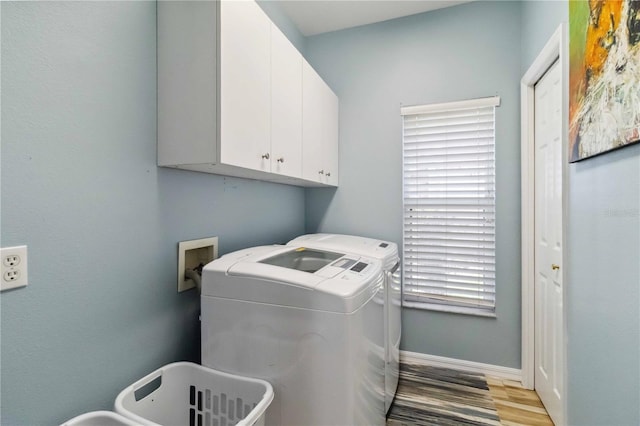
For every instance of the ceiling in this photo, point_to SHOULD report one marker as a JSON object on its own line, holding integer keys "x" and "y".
{"x": 320, "y": 16}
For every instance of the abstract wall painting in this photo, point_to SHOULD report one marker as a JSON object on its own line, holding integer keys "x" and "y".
{"x": 604, "y": 79}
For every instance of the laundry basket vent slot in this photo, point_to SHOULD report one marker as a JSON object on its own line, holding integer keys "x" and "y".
{"x": 209, "y": 409}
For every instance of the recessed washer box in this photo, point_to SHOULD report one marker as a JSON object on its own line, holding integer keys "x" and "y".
{"x": 191, "y": 254}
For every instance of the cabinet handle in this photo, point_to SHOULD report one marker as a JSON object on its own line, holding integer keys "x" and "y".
{"x": 280, "y": 160}
{"x": 265, "y": 156}
{"x": 328, "y": 174}
{"x": 321, "y": 172}
{"x": 555, "y": 267}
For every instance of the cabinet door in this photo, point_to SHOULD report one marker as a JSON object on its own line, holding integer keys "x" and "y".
{"x": 319, "y": 129}
{"x": 187, "y": 88}
{"x": 331, "y": 145}
{"x": 245, "y": 85}
{"x": 312, "y": 129}
{"x": 286, "y": 106}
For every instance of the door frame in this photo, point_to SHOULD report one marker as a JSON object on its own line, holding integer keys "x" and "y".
{"x": 555, "y": 49}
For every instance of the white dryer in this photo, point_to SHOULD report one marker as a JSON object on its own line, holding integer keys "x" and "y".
{"x": 308, "y": 321}
{"x": 387, "y": 253}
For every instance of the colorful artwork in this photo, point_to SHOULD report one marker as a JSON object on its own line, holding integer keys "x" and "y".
{"x": 604, "y": 80}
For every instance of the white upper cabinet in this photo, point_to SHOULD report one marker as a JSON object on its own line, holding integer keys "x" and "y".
{"x": 319, "y": 129}
{"x": 286, "y": 106}
{"x": 236, "y": 98}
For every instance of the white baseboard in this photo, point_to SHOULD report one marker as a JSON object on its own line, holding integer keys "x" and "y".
{"x": 504, "y": 373}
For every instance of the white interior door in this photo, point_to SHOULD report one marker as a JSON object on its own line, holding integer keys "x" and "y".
{"x": 549, "y": 363}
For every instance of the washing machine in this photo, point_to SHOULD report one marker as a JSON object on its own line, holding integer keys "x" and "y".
{"x": 308, "y": 321}
{"x": 387, "y": 253}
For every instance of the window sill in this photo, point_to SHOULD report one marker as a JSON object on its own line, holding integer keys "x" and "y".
{"x": 450, "y": 309}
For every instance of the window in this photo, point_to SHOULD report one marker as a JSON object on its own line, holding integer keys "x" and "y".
{"x": 449, "y": 206}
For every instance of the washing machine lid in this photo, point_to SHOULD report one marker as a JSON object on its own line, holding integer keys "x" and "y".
{"x": 294, "y": 276}
{"x": 385, "y": 251}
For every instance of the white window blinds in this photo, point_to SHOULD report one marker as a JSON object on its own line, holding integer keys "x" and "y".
{"x": 449, "y": 206}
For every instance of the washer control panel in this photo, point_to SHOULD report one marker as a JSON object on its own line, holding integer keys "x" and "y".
{"x": 359, "y": 267}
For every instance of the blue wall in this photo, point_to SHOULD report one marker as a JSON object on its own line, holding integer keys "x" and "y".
{"x": 603, "y": 296}
{"x": 274, "y": 11}
{"x": 80, "y": 187}
{"x": 457, "y": 53}
{"x": 603, "y": 290}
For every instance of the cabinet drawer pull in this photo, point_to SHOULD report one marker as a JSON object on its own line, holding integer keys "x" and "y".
{"x": 265, "y": 156}
{"x": 328, "y": 174}
{"x": 280, "y": 160}
{"x": 321, "y": 172}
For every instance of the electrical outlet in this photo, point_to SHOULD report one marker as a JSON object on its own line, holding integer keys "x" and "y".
{"x": 14, "y": 267}
{"x": 11, "y": 260}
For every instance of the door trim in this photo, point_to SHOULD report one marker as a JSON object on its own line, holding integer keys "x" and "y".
{"x": 555, "y": 49}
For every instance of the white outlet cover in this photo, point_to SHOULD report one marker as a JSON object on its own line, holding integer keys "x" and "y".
{"x": 13, "y": 267}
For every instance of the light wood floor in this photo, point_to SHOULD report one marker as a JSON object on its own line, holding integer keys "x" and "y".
{"x": 517, "y": 406}
{"x": 430, "y": 395}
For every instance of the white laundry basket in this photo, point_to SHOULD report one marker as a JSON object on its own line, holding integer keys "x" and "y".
{"x": 187, "y": 394}
{"x": 100, "y": 418}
